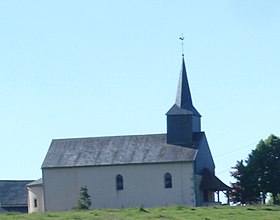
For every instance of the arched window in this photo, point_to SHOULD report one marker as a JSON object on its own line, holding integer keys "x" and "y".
{"x": 168, "y": 180}
{"x": 119, "y": 182}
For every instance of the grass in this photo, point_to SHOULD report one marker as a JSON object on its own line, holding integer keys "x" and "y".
{"x": 168, "y": 213}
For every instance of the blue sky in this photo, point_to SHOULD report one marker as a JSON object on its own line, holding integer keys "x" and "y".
{"x": 100, "y": 68}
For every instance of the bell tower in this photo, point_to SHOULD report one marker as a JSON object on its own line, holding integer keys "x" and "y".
{"x": 182, "y": 119}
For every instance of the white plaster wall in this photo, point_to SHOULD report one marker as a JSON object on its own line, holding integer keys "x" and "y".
{"x": 143, "y": 184}
{"x": 35, "y": 192}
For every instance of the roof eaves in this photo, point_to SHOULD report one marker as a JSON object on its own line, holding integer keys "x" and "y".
{"x": 120, "y": 164}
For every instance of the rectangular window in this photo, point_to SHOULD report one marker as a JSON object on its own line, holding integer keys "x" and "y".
{"x": 35, "y": 203}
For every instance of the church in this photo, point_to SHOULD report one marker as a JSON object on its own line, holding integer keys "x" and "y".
{"x": 174, "y": 168}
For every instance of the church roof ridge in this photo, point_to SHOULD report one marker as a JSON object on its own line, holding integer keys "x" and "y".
{"x": 107, "y": 136}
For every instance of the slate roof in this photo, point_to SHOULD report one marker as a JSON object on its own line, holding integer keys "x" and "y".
{"x": 176, "y": 110}
{"x": 197, "y": 136}
{"x": 36, "y": 183}
{"x": 133, "y": 149}
{"x": 210, "y": 181}
{"x": 183, "y": 103}
{"x": 13, "y": 192}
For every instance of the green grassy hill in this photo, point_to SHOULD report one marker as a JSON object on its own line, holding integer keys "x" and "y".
{"x": 176, "y": 213}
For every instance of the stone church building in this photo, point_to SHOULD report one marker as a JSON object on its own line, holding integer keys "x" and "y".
{"x": 175, "y": 168}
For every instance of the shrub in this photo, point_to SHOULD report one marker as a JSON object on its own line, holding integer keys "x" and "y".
{"x": 84, "y": 201}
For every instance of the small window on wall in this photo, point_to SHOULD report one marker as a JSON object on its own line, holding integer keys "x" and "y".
{"x": 168, "y": 180}
{"x": 35, "y": 203}
{"x": 119, "y": 182}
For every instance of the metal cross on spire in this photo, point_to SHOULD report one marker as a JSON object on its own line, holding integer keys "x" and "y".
{"x": 182, "y": 39}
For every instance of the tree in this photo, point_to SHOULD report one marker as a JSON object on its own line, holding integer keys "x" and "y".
{"x": 244, "y": 191}
{"x": 265, "y": 161}
{"x": 84, "y": 201}
{"x": 260, "y": 175}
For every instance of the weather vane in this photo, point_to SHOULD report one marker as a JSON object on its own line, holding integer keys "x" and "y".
{"x": 182, "y": 39}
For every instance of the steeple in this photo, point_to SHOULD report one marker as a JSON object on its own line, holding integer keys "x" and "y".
{"x": 182, "y": 119}
{"x": 183, "y": 103}
{"x": 183, "y": 98}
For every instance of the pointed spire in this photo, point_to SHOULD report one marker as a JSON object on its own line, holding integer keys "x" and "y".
{"x": 183, "y": 98}
{"x": 183, "y": 104}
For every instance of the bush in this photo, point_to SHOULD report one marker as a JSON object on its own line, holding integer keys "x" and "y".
{"x": 84, "y": 201}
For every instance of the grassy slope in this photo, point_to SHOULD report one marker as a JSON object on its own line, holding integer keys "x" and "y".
{"x": 178, "y": 212}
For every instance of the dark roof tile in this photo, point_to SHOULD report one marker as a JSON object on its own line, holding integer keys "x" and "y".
{"x": 36, "y": 183}
{"x": 211, "y": 182}
{"x": 114, "y": 150}
{"x": 13, "y": 192}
